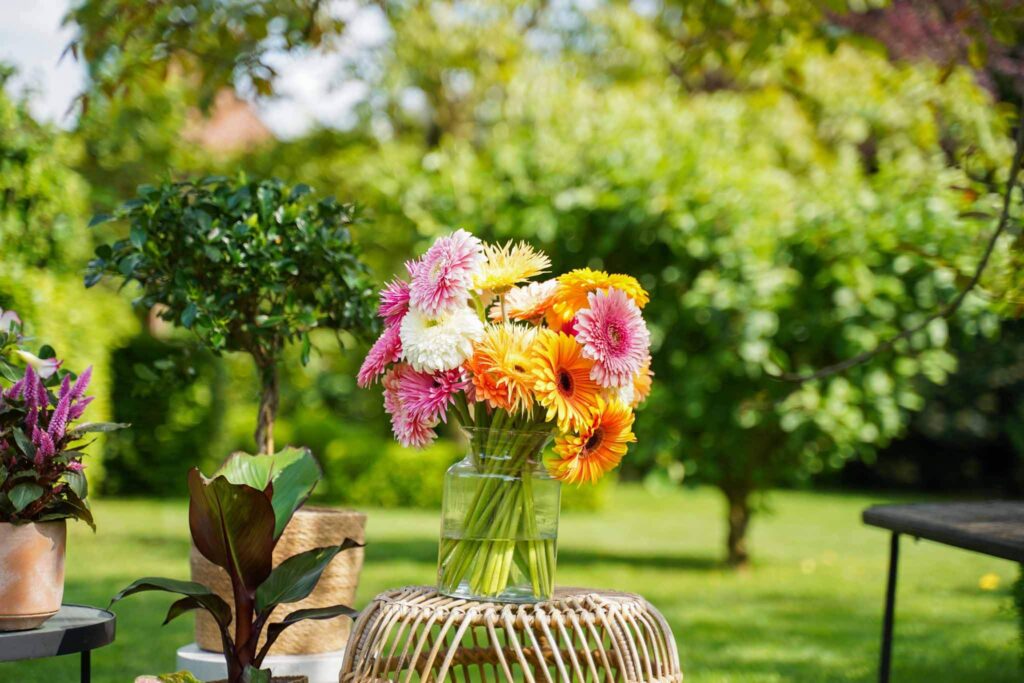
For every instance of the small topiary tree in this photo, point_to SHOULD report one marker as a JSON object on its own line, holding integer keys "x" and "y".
{"x": 248, "y": 266}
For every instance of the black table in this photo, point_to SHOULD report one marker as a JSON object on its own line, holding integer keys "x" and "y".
{"x": 74, "y": 629}
{"x": 994, "y": 528}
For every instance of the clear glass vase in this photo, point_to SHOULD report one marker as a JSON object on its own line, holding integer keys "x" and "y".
{"x": 499, "y": 520}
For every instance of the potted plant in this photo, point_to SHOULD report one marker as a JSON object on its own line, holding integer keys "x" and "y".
{"x": 42, "y": 483}
{"x": 251, "y": 266}
{"x": 236, "y": 519}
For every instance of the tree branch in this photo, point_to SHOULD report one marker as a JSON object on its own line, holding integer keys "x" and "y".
{"x": 946, "y": 311}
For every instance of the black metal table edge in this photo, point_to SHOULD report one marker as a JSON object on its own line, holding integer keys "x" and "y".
{"x": 92, "y": 637}
{"x": 870, "y": 516}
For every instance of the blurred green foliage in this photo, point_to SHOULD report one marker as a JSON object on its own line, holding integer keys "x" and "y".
{"x": 789, "y": 195}
{"x": 43, "y": 245}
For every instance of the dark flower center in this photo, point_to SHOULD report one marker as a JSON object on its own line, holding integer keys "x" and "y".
{"x": 565, "y": 381}
{"x": 594, "y": 441}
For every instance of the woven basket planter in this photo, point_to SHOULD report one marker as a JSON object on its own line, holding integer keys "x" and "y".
{"x": 311, "y": 527}
{"x": 416, "y": 634}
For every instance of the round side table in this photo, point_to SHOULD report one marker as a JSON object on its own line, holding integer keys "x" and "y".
{"x": 581, "y": 634}
{"x": 74, "y": 629}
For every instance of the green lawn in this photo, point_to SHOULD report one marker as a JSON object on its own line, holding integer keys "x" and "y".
{"x": 809, "y": 610}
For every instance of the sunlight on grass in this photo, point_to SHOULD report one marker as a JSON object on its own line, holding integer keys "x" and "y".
{"x": 809, "y": 610}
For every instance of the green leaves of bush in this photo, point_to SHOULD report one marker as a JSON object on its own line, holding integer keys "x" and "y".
{"x": 246, "y": 265}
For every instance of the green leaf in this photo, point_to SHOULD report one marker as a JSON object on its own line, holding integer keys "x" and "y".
{"x": 294, "y": 473}
{"x": 275, "y": 629}
{"x": 96, "y": 427}
{"x": 188, "y": 316}
{"x": 78, "y": 483}
{"x": 232, "y": 526}
{"x": 8, "y": 372}
{"x": 137, "y": 235}
{"x": 100, "y": 218}
{"x": 254, "y": 675}
{"x": 24, "y": 494}
{"x": 207, "y": 599}
{"x": 178, "y": 677}
{"x": 78, "y": 508}
{"x": 295, "y": 578}
{"x": 24, "y": 443}
{"x": 46, "y": 351}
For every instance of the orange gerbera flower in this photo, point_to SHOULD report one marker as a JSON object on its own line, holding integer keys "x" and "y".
{"x": 562, "y": 382}
{"x": 642, "y": 383}
{"x": 597, "y": 449}
{"x": 502, "y": 367}
{"x": 574, "y": 286}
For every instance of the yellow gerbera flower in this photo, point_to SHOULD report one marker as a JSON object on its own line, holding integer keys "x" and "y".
{"x": 574, "y": 286}
{"x": 642, "y": 383}
{"x": 562, "y": 382}
{"x": 597, "y": 449}
{"x": 507, "y": 265}
{"x": 502, "y": 367}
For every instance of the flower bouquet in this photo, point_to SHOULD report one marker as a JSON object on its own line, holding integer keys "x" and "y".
{"x": 517, "y": 363}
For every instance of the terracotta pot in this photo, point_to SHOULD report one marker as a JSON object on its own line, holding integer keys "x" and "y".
{"x": 311, "y": 527}
{"x": 31, "y": 573}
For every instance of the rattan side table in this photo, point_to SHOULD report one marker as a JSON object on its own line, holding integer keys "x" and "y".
{"x": 416, "y": 634}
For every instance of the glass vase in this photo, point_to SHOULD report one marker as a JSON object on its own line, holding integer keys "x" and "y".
{"x": 499, "y": 520}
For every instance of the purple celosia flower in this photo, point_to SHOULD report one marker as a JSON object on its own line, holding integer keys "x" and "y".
{"x": 81, "y": 384}
{"x": 59, "y": 419}
{"x": 79, "y": 408}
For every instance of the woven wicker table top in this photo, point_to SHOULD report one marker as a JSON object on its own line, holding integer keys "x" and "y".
{"x": 416, "y": 634}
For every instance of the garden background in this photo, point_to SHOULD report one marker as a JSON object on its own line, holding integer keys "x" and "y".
{"x": 792, "y": 182}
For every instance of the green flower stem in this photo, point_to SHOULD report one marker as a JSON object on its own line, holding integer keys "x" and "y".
{"x": 500, "y": 527}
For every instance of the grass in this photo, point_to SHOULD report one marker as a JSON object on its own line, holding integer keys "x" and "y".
{"x": 809, "y": 609}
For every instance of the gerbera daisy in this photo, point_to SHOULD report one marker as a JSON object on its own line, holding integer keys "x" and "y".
{"x": 507, "y": 265}
{"x": 442, "y": 278}
{"x": 501, "y": 367}
{"x": 411, "y": 429}
{"x": 562, "y": 381}
{"x": 642, "y": 383}
{"x": 394, "y": 302}
{"x": 528, "y": 302}
{"x": 385, "y": 351}
{"x": 614, "y": 336}
{"x": 427, "y": 396}
{"x": 444, "y": 343}
{"x": 597, "y": 449}
{"x": 575, "y": 285}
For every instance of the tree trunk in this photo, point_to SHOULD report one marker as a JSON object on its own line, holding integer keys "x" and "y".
{"x": 739, "y": 519}
{"x": 268, "y": 406}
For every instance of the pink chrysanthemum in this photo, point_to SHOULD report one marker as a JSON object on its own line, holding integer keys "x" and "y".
{"x": 394, "y": 302}
{"x": 614, "y": 336}
{"x": 441, "y": 280}
{"x": 428, "y": 396}
{"x": 385, "y": 351}
{"x": 409, "y": 428}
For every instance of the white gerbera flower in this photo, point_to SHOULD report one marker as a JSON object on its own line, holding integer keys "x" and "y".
{"x": 436, "y": 344}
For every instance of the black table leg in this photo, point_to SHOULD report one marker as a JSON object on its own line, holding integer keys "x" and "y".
{"x": 86, "y": 671}
{"x": 890, "y": 609}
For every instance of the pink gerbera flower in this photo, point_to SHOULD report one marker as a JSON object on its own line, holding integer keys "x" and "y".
{"x": 385, "y": 351}
{"x": 394, "y": 302}
{"x": 441, "y": 280}
{"x": 614, "y": 336}
{"x": 409, "y": 428}
{"x": 429, "y": 395}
